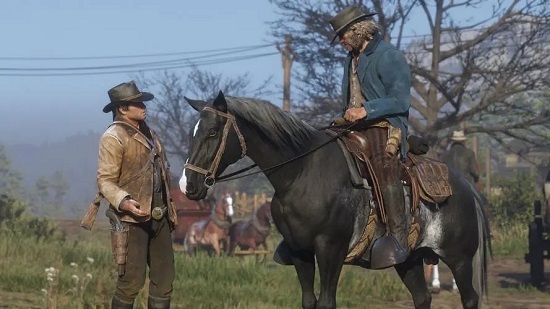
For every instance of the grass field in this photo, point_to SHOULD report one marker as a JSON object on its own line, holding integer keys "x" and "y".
{"x": 201, "y": 282}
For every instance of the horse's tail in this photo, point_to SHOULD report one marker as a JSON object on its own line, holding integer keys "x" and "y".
{"x": 480, "y": 258}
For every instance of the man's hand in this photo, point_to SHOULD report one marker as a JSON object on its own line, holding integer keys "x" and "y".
{"x": 132, "y": 206}
{"x": 355, "y": 113}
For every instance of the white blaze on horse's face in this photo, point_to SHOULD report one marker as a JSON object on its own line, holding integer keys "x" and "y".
{"x": 229, "y": 201}
{"x": 196, "y": 128}
{"x": 183, "y": 180}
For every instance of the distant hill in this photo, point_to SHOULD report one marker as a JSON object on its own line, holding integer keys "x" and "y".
{"x": 75, "y": 157}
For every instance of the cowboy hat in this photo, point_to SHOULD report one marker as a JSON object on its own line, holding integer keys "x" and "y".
{"x": 345, "y": 18}
{"x": 125, "y": 93}
{"x": 458, "y": 136}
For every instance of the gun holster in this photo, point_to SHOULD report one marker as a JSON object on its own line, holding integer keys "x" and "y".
{"x": 119, "y": 244}
{"x": 119, "y": 240}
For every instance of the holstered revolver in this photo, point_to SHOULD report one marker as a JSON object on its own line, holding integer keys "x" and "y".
{"x": 119, "y": 240}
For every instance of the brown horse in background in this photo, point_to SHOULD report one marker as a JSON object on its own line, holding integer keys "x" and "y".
{"x": 211, "y": 232}
{"x": 252, "y": 233}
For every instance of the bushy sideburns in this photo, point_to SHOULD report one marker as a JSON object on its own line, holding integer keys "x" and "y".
{"x": 358, "y": 33}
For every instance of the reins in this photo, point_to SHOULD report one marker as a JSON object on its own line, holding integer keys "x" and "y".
{"x": 228, "y": 177}
{"x": 210, "y": 174}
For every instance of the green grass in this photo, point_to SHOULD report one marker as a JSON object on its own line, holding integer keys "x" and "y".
{"x": 201, "y": 281}
{"x": 510, "y": 240}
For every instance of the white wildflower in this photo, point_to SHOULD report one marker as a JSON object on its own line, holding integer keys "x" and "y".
{"x": 73, "y": 264}
{"x": 89, "y": 276}
{"x": 75, "y": 277}
{"x": 50, "y": 279}
{"x": 44, "y": 291}
{"x": 90, "y": 260}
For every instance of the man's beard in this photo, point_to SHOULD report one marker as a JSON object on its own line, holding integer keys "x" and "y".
{"x": 356, "y": 42}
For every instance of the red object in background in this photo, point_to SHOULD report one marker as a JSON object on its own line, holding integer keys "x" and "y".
{"x": 188, "y": 212}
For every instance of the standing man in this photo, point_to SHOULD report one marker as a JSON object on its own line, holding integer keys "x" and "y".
{"x": 461, "y": 158}
{"x": 133, "y": 176}
{"x": 376, "y": 87}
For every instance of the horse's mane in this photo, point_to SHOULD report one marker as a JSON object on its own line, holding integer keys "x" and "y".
{"x": 280, "y": 127}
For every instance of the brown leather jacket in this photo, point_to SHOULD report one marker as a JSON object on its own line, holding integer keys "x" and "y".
{"x": 125, "y": 168}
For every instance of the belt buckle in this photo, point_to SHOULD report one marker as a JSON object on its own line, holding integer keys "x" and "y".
{"x": 157, "y": 213}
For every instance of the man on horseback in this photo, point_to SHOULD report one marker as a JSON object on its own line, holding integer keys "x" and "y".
{"x": 376, "y": 87}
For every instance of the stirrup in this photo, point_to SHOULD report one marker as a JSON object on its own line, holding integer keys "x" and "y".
{"x": 282, "y": 254}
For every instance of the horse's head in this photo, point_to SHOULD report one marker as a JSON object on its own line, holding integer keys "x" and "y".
{"x": 225, "y": 206}
{"x": 215, "y": 144}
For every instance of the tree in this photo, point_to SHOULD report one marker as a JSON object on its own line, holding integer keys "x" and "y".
{"x": 10, "y": 180}
{"x": 484, "y": 73}
{"x": 173, "y": 118}
{"x": 60, "y": 187}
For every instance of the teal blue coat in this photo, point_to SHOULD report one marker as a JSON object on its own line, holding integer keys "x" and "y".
{"x": 385, "y": 80}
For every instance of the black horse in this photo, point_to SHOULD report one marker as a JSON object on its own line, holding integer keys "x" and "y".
{"x": 315, "y": 205}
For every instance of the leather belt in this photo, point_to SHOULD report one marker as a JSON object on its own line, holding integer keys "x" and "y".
{"x": 158, "y": 212}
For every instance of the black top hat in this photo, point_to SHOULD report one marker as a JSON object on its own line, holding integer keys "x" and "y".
{"x": 345, "y": 18}
{"x": 126, "y": 93}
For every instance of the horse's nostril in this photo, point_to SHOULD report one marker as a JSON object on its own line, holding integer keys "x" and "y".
{"x": 190, "y": 188}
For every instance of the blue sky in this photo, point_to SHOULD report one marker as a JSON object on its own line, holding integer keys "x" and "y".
{"x": 38, "y": 109}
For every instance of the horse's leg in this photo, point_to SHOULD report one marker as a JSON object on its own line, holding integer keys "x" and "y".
{"x": 436, "y": 283}
{"x": 411, "y": 273}
{"x": 232, "y": 245}
{"x": 304, "y": 263}
{"x": 330, "y": 257}
{"x": 463, "y": 273}
{"x": 216, "y": 245}
{"x": 428, "y": 272}
{"x": 266, "y": 249}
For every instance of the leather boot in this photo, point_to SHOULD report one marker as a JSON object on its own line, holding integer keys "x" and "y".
{"x": 392, "y": 248}
{"x": 282, "y": 254}
{"x": 117, "y": 303}
{"x": 158, "y": 302}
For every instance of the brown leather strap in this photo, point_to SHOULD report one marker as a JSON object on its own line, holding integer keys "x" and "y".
{"x": 231, "y": 122}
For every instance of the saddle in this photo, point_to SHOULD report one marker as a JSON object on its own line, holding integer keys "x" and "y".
{"x": 427, "y": 178}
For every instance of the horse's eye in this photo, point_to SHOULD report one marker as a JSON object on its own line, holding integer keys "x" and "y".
{"x": 212, "y": 132}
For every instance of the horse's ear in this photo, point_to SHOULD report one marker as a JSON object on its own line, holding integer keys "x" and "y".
{"x": 220, "y": 103}
{"x": 197, "y": 105}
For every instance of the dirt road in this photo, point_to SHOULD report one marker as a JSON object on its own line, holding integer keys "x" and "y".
{"x": 508, "y": 288}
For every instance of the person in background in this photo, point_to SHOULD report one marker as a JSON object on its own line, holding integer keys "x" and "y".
{"x": 461, "y": 158}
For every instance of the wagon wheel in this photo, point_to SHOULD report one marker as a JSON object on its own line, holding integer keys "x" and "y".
{"x": 536, "y": 257}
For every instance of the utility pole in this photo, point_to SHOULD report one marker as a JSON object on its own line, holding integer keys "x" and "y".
{"x": 288, "y": 56}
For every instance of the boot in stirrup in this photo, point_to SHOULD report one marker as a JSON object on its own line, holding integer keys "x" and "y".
{"x": 392, "y": 248}
{"x": 282, "y": 254}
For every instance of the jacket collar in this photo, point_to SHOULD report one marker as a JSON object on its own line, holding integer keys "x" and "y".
{"x": 371, "y": 46}
{"x": 134, "y": 132}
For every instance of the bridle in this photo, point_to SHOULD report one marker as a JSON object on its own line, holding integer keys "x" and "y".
{"x": 210, "y": 173}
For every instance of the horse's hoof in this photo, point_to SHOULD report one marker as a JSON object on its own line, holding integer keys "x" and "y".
{"x": 282, "y": 254}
